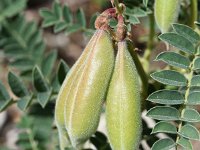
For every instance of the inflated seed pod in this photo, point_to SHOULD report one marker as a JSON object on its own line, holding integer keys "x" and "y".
{"x": 123, "y": 116}
{"x": 80, "y": 99}
{"x": 166, "y": 13}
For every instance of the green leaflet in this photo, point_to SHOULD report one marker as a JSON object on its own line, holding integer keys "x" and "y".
{"x": 185, "y": 143}
{"x": 163, "y": 113}
{"x": 179, "y": 42}
{"x": 169, "y": 77}
{"x": 165, "y": 127}
{"x": 174, "y": 59}
{"x": 190, "y": 132}
{"x": 11, "y": 8}
{"x": 163, "y": 144}
{"x": 168, "y": 97}
{"x": 186, "y": 32}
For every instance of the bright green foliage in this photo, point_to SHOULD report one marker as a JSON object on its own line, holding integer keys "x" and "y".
{"x": 61, "y": 18}
{"x": 145, "y": 2}
{"x": 170, "y": 77}
{"x": 186, "y": 32}
{"x": 185, "y": 143}
{"x": 38, "y": 81}
{"x": 134, "y": 13}
{"x": 184, "y": 39}
{"x": 41, "y": 86}
{"x": 48, "y": 63}
{"x": 164, "y": 127}
{"x": 190, "y": 132}
{"x": 24, "y": 102}
{"x": 164, "y": 144}
{"x": 178, "y": 41}
{"x": 62, "y": 71}
{"x": 190, "y": 115}
{"x": 22, "y": 41}
{"x": 136, "y": 9}
{"x": 193, "y": 98}
{"x": 164, "y": 113}
{"x": 17, "y": 87}
{"x": 174, "y": 59}
{"x": 37, "y": 84}
{"x": 195, "y": 82}
{"x": 5, "y": 99}
{"x": 35, "y": 135}
{"x": 43, "y": 90}
{"x": 9, "y": 8}
{"x": 166, "y": 97}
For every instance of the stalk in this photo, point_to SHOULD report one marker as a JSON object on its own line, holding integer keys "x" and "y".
{"x": 150, "y": 42}
{"x": 193, "y": 13}
{"x": 117, "y": 6}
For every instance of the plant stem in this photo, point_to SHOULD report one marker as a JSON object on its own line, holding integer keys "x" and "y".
{"x": 32, "y": 141}
{"x": 151, "y": 33}
{"x": 117, "y": 6}
{"x": 186, "y": 96}
{"x": 193, "y": 13}
{"x": 150, "y": 43}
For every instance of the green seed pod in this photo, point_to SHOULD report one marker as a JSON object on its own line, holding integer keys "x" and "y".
{"x": 166, "y": 13}
{"x": 123, "y": 116}
{"x": 80, "y": 99}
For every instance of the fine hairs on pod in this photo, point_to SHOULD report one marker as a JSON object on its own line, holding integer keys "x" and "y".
{"x": 123, "y": 103}
{"x": 166, "y": 13}
{"x": 79, "y": 103}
